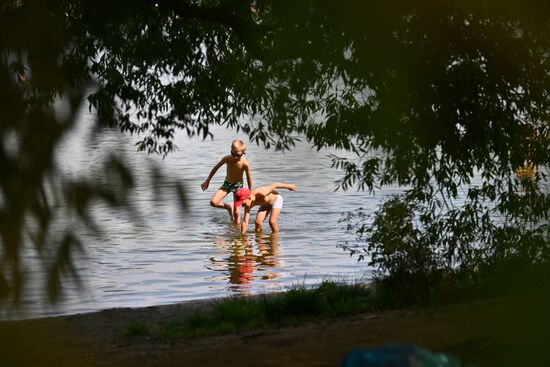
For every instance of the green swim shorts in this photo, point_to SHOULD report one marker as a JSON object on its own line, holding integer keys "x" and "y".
{"x": 229, "y": 186}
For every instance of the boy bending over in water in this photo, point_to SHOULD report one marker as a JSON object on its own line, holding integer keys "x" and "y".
{"x": 269, "y": 200}
{"x": 236, "y": 166}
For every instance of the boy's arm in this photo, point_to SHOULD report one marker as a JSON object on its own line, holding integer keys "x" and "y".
{"x": 248, "y": 176}
{"x": 266, "y": 190}
{"x": 246, "y": 217}
{"x": 205, "y": 184}
{"x": 290, "y": 187}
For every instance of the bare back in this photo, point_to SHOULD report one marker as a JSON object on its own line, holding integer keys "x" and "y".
{"x": 264, "y": 196}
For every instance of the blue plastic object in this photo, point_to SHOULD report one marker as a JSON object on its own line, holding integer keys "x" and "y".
{"x": 398, "y": 355}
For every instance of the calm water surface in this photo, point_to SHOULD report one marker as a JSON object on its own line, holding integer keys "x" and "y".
{"x": 165, "y": 255}
{"x": 171, "y": 256}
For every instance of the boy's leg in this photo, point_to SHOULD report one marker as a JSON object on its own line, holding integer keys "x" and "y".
{"x": 260, "y": 217}
{"x": 273, "y": 219}
{"x": 236, "y": 212}
{"x": 216, "y": 201}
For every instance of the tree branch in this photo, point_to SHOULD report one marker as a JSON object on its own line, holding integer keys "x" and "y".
{"x": 236, "y": 15}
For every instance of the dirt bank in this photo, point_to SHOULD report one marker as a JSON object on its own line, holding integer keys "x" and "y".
{"x": 511, "y": 332}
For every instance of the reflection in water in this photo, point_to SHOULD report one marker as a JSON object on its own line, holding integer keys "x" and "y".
{"x": 268, "y": 247}
{"x": 169, "y": 259}
{"x": 245, "y": 260}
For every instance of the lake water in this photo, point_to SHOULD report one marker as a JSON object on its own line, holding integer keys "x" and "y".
{"x": 166, "y": 256}
{"x": 172, "y": 256}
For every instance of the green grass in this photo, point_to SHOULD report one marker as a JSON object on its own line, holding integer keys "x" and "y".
{"x": 136, "y": 329}
{"x": 332, "y": 299}
{"x": 329, "y": 299}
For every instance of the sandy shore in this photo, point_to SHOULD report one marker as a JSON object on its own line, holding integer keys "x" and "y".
{"x": 510, "y": 332}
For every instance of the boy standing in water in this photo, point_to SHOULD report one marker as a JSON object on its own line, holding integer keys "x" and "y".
{"x": 236, "y": 166}
{"x": 270, "y": 201}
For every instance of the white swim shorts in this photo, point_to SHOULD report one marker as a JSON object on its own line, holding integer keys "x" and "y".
{"x": 278, "y": 204}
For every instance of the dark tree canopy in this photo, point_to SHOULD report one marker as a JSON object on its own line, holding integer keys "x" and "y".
{"x": 427, "y": 93}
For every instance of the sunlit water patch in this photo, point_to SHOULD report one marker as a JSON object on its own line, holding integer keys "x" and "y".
{"x": 160, "y": 255}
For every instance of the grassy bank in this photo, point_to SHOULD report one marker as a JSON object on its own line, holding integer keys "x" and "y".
{"x": 332, "y": 299}
{"x": 503, "y": 332}
{"x": 329, "y": 299}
